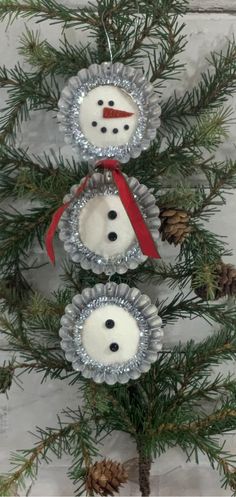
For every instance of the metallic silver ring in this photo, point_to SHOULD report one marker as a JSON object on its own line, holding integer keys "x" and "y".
{"x": 138, "y": 306}
{"x": 69, "y": 226}
{"x": 130, "y": 81}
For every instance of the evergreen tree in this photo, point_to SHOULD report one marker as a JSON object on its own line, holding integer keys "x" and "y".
{"x": 166, "y": 406}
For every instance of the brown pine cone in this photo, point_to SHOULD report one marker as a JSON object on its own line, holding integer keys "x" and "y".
{"x": 174, "y": 225}
{"x": 226, "y": 283}
{"x": 105, "y": 477}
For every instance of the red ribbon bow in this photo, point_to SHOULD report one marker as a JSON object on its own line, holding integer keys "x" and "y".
{"x": 142, "y": 232}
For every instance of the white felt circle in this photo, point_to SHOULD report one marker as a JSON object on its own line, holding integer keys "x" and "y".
{"x": 95, "y": 226}
{"x": 97, "y": 338}
{"x": 91, "y": 112}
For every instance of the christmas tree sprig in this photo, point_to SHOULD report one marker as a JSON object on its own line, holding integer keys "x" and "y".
{"x": 73, "y": 437}
{"x": 179, "y": 402}
{"x": 26, "y": 91}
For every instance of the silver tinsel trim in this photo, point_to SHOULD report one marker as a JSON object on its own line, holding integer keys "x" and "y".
{"x": 138, "y": 305}
{"x": 102, "y": 184}
{"x": 129, "y": 80}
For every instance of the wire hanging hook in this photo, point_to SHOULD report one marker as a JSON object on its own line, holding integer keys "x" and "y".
{"x": 106, "y": 32}
{"x": 109, "y": 281}
{"x": 137, "y": 16}
{"x": 107, "y": 36}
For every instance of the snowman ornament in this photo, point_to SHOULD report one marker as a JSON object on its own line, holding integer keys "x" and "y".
{"x": 111, "y": 333}
{"x": 109, "y": 110}
{"x": 96, "y": 230}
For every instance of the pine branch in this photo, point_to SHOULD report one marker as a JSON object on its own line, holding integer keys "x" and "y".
{"x": 64, "y": 439}
{"x": 184, "y": 152}
{"x": 192, "y": 359}
{"x": 13, "y": 370}
{"x": 197, "y": 436}
{"x": 130, "y": 29}
{"x": 26, "y": 91}
{"x": 25, "y": 335}
{"x": 28, "y": 467}
{"x": 217, "y": 84}
{"x": 30, "y": 348}
{"x": 18, "y": 232}
{"x": 203, "y": 246}
{"x": 221, "y": 179}
{"x": 65, "y": 61}
{"x": 212, "y": 422}
{"x": 154, "y": 20}
{"x": 38, "y": 179}
{"x": 45, "y": 178}
{"x": 184, "y": 307}
{"x": 208, "y": 133}
{"x": 6, "y": 377}
{"x": 166, "y": 406}
{"x": 180, "y": 382}
{"x": 165, "y": 66}
{"x": 44, "y": 10}
{"x": 111, "y": 408}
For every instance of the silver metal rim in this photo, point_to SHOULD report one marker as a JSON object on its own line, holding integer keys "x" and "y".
{"x": 137, "y": 304}
{"x": 101, "y": 184}
{"x": 128, "y": 79}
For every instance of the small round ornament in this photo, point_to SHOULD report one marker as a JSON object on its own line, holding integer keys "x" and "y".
{"x": 109, "y": 111}
{"x": 96, "y": 229}
{"x": 111, "y": 333}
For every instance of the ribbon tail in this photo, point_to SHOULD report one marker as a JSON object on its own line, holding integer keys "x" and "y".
{"x": 142, "y": 232}
{"x": 55, "y": 220}
{"x": 51, "y": 231}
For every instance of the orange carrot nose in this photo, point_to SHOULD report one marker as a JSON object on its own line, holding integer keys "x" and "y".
{"x": 109, "y": 113}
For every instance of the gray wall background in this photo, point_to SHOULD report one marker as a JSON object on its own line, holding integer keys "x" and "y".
{"x": 208, "y": 24}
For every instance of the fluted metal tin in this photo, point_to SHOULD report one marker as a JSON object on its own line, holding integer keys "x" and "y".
{"x": 138, "y": 306}
{"x": 135, "y": 85}
{"x": 69, "y": 226}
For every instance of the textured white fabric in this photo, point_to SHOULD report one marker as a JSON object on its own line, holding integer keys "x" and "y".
{"x": 95, "y": 226}
{"x": 92, "y": 112}
{"x": 97, "y": 338}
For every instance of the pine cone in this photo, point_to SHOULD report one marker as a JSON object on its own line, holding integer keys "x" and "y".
{"x": 105, "y": 477}
{"x": 174, "y": 225}
{"x": 226, "y": 283}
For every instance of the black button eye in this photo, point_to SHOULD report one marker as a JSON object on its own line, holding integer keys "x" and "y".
{"x": 112, "y": 215}
{"x": 114, "y": 347}
{"x": 109, "y": 323}
{"x": 100, "y": 102}
{"x": 94, "y": 123}
{"x": 112, "y": 236}
{"x": 111, "y": 103}
{"x": 115, "y": 131}
{"x": 126, "y": 126}
{"x": 104, "y": 130}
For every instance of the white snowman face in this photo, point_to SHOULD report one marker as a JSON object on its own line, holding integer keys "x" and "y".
{"x": 104, "y": 226}
{"x": 110, "y": 335}
{"x": 108, "y": 116}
